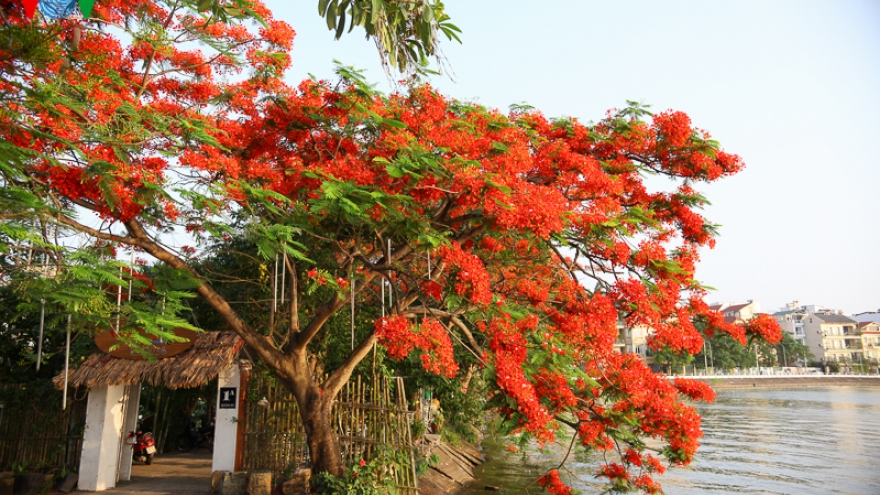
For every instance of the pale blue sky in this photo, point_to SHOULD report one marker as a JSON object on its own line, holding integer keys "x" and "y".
{"x": 791, "y": 86}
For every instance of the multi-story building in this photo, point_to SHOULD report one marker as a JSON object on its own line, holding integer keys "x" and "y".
{"x": 870, "y": 331}
{"x": 832, "y": 337}
{"x": 791, "y": 319}
{"x": 634, "y": 340}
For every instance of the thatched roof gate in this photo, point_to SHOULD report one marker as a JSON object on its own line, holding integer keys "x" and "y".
{"x": 211, "y": 353}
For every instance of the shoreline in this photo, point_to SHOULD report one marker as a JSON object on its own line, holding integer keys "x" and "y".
{"x": 776, "y": 381}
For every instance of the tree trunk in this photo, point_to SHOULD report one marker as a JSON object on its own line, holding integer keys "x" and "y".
{"x": 324, "y": 450}
{"x": 315, "y": 408}
{"x": 291, "y": 369}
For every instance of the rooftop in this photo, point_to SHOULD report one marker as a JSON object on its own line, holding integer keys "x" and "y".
{"x": 209, "y": 355}
{"x": 832, "y": 318}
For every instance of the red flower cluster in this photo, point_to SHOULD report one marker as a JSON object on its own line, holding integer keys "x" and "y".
{"x": 400, "y": 338}
{"x": 472, "y": 279}
{"x": 695, "y": 389}
{"x": 764, "y": 326}
{"x": 553, "y": 484}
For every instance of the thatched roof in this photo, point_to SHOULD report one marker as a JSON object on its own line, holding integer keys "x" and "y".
{"x": 209, "y": 355}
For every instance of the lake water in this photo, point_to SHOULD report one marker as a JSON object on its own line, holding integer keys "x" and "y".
{"x": 757, "y": 441}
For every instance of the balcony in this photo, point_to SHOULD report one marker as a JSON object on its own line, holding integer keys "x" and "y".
{"x": 851, "y": 331}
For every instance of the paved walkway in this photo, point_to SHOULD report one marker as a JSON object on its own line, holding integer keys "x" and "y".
{"x": 171, "y": 473}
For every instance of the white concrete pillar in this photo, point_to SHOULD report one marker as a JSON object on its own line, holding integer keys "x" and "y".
{"x": 226, "y": 421}
{"x": 133, "y": 396}
{"x": 100, "y": 448}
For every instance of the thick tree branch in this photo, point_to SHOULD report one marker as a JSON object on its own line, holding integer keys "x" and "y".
{"x": 335, "y": 381}
{"x": 259, "y": 343}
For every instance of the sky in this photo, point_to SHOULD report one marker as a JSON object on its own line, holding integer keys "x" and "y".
{"x": 793, "y": 87}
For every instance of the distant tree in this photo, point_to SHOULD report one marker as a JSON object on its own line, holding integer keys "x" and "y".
{"x": 672, "y": 360}
{"x": 792, "y": 352}
{"x": 724, "y": 352}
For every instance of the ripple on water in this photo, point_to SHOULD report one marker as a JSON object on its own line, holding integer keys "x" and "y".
{"x": 804, "y": 441}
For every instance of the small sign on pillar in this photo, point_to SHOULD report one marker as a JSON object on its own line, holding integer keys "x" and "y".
{"x": 228, "y": 397}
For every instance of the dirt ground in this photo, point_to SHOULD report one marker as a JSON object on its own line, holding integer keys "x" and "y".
{"x": 170, "y": 474}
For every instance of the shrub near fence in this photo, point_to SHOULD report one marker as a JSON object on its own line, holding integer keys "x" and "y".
{"x": 368, "y": 413}
{"x": 36, "y": 435}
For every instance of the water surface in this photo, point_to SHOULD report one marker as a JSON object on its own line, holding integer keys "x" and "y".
{"x": 812, "y": 440}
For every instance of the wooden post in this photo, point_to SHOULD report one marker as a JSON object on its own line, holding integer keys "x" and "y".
{"x": 242, "y": 414}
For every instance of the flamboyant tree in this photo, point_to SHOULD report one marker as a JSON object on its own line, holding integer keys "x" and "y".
{"x": 522, "y": 239}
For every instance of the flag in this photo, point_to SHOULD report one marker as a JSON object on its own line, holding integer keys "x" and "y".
{"x": 30, "y": 6}
{"x": 86, "y": 7}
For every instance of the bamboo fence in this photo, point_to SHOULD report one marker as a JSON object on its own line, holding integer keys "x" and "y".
{"x": 35, "y": 434}
{"x": 368, "y": 413}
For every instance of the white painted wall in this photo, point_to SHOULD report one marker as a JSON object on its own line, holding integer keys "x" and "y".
{"x": 226, "y": 422}
{"x": 100, "y": 450}
{"x": 131, "y": 420}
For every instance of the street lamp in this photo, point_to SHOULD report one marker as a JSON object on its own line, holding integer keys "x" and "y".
{"x": 784, "y": 360}
{"x": 705, "y": 358}
{"x": 713, "y": 357}
{"x": 757, "y": 363}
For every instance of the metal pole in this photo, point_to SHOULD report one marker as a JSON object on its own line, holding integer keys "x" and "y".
{"x": 131, "y": 280}
{"x": 283, "y": 275}
{"x": 275, "y": 288}
{"x": 118, "y": 301}
{"x": 705, "y": 358}
{"x": 351, "y": 287}
{"x": 40, "y": 341}
{"x": 390, "y": 296}
{"x": 66, "y": 365}
{"x": 757, "y": 364}
{"x": 713, "y": 358}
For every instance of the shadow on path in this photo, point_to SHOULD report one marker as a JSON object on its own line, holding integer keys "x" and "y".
{"x": 171, "y": 473}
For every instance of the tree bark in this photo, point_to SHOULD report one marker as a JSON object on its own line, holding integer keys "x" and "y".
{"x": 315, "y": 405}
{"x": 323, "y": 443}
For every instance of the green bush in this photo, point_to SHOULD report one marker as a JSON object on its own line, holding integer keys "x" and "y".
{"x": 373, "y": 477}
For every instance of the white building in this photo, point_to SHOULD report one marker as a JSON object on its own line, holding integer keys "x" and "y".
{"x": 870, "y": 331}
{"x": 791, "y": 319}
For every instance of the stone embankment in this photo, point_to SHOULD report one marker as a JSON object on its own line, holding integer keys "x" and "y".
{"x": 781, "y": 381}
{"x": 453, "y": 471}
